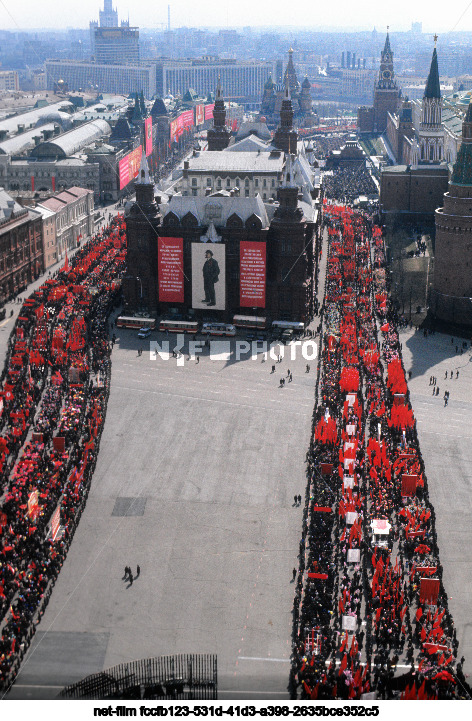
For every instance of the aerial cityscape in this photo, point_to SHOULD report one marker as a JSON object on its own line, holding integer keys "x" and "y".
{"x": 236, "y": 343}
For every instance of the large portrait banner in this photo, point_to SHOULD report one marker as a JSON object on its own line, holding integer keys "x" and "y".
{"x": 208, "y": 276}
{"x": 170, "y": 258}
{"x": 252, "y": 273}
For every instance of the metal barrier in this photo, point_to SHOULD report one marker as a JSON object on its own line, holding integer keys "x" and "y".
{"x": 179, "y": 677}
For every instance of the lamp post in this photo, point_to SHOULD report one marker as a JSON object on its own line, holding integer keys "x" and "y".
{"x": 141, "y": 289}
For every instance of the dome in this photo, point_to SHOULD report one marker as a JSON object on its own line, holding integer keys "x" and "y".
{"x": 269, "y": 84}
{"x": 306, "y": 83}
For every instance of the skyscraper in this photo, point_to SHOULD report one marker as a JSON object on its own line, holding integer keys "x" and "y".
{"x": 108, "y": 16}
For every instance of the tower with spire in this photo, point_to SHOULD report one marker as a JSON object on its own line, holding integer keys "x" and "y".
{"x": 140, "y": 289}
{"x": 386, "y": 91}
{"x": 430, "y": 145}
{"x": 290, "y": 75}
{"x": 218, "y": 136}
{"x": 452, "y": 290}
{"x": 286, "y": 136}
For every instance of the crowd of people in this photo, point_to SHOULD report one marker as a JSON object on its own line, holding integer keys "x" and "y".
{"x": 55, "y": 387}
{"x": 348, "y": 183}
{"x": 369, "y": 595}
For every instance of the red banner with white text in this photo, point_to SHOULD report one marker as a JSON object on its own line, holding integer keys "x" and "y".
{"x": 171, "y": 270}
{"x": 252, "y": 287}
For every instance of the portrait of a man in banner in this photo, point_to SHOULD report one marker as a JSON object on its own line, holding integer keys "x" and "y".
{"x": 208, "y": 276}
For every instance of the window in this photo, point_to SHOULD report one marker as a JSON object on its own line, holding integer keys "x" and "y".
{"x": 264, "y": 184}
{"x": 194, "y": 182}
{"x": 228, "y": 182}
{"x": 209, "y": 182}
{"x": 256, "y": 182}
{"x": 246, "y": 182}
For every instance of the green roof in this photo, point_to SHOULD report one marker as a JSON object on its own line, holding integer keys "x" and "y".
{"x": 462, "y": 170}
{"x": 432, "y": 89}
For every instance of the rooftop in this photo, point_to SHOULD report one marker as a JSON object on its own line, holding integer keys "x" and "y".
{"x": 231, "y": 162}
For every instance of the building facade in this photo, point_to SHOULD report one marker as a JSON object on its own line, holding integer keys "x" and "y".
{"x": 49, "y": 236}
{"x": 243, "y": 81}
{"x": 74, "y": 212}
{"x": 451, "y": 298}
{"x": 121, "y": 79}
{"x": 117, "y": 46}
{"x": 21, "y": 246}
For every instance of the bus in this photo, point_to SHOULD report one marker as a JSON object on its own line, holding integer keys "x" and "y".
{"x": 179, "y": 326}
{"x": 250, "y": 321}
{"x": 132, "y": 322}
{"x": 227, "y": 329}
{"x": 280, "y": 325}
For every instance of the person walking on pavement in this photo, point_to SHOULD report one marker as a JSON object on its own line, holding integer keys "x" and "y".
{"x": 294, "y": 574}
{"x": 138, "y": 571}
{"x": 307, "y": 368}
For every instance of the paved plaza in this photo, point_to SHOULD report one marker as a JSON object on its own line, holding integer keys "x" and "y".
{"x": 197, "y": 471}
{"x": 445, "y": 435}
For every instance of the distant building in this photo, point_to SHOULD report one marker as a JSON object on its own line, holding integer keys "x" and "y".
{"x": 243, "y": 81}
{"x": 108, "y": 16}
{"x": 118, "y": 79}
{"x": 21, "y": 246}
{"x": 9, "y": 80}
{"x": 386, "y": 90}
{"x": 116, "y": 46}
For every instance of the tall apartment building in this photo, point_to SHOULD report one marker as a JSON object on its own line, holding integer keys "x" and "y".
{"x": 116, "y": 46}
{"x": 243, "y": 81}
{"x": 118, "y": 79}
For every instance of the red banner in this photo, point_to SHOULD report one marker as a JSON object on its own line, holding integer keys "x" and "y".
{"x": 199, "y": 114}
{"x": 252, "y": 274}
{"x": 32, "y": 183}
{"x": 55, "y": 524}
{"x": 429, "y": 590}
{"x": 209, "y": 111}
{"x": 173, "y": 131}
{"x": 148, "y": 135}
{"x": 129, "y": 166}
{"x": 171, "y": 270}
{"x": 187, "y": 119}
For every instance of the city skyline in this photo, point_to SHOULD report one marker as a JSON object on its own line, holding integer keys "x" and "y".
{"x": 345, "y": 16}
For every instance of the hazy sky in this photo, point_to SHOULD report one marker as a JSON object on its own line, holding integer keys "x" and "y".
{"x": 364, "y": 15}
